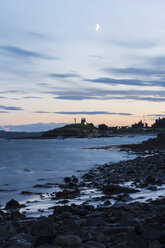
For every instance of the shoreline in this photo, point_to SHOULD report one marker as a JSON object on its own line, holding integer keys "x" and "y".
{"x": 118, "y": 221}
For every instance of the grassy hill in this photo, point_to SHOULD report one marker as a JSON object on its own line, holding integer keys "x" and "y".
{"x": 73, "y": 130}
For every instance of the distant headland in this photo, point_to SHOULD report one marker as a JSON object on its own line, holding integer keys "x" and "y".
{"x": 88, "y": 130}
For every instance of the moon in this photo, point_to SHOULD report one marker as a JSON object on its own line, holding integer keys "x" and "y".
{"x": 97, "y": 27}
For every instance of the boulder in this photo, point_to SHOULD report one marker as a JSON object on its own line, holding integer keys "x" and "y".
{"x": 94, "y": 244}
{"x": 12, "y": 204}
{"x": 67, "y": 241}
{"x": 20, "y": 241}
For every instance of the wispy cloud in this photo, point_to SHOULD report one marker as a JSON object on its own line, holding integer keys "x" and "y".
{"x": 131, "y": 82}
{"x": 42, "y": 112}
{"x": 158, "y": 60}
{"x": 33, "y": 127}
{"x": 97, "y": 56}
{"x": 32, "y": 97}
{"x": 64, "y": 75}
{"x": 92, "y": 113}
{"x": 101, "y": 94}
{"x": 132, "y": 43}
{"x": 135, "y": 71}
{"x": 10, "y": 108}
{"x": 75, "y": 98}
{"x": 12, "y": 92}
{"x": 38, "y": 36}
{"x": 4, "y": 112}
{"x": 156, "y": 115}
{"x": 19, "y": 52}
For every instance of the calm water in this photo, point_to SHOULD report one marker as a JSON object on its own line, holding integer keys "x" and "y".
{"x": 25, "y": 163}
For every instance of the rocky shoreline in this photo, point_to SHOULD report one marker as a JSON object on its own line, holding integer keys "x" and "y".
{"x": 118, "y": 221}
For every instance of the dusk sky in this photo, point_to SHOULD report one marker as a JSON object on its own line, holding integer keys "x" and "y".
{"x": 65, "y": 59}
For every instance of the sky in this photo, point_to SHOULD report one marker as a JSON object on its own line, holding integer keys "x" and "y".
{"x": 99, "y": 59}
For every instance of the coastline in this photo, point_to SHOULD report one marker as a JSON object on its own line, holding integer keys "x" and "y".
{"x": 118, "y": 220}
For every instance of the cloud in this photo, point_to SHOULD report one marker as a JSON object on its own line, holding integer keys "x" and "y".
{"x": 10, "y": 108}
{"x": 97, "y": 56}
{"x": 42, "y": 112}
{"x": 33, "y": 127}
{"x": 12, "y": 91}
{"x": 19, "y": 52}
{"x": 64, "y": 75}
{"x": 133, "y": 44}
{"x": 32, "y": 97}
{"x": 156, "y": 115}
{"x": 101, "y": 94}
{"x": 92, "y": 113}
{"x": 158, "y": 61}
{"x": 136, "y": 71}
{"x": 38, "y": 36}
{"x": 74, "y": 97}
{"x": 131, "y": 82}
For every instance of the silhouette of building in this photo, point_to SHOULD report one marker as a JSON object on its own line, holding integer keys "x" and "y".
{"x": 83, "y": 121}
{"x": 159, "y": 123}
{"x": 138, "y": 125}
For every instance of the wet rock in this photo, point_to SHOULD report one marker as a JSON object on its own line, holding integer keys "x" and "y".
{"x": 74, "y": 179}
{"x": 67, "y": 194}
{"x": 42, "y": 228}
{"x": 116, "y": 189}
{"x": 12, "y": 204}
{"x": 66, "y": 215}
{"x": 68, "y": 241}
{"x": 107, "y": 202}
{"x": 58, "y": 210}
{"x": 154, "y": 244}
{"x": 6, "y": 230}
{"x": 94, "y": 244}
{"x": 16, "y": 215}
{"x": 67, "y": 179}
{"x": 3, "y": 216}
{"x": 43, "y": 240}
{"x": 150, "y": 179}
{"x": 47, "y": 246}
{"x": 20, "y": 240}
{"x": 25, "y": 236}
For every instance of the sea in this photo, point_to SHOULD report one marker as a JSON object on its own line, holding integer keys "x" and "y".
{"x": 27, "y": 163}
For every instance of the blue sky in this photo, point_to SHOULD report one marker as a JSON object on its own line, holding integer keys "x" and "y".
{"x": 55, "y": 66}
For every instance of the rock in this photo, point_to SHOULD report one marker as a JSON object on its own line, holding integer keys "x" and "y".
{"x": 67, "y": 194}
{"x": 74, "y": 179}
{"x": 16, "y": 215}
{"x": 43, "y": 240}
{"x": 3, "y": 243}
{"x": 116, "y": 189}
{"x": 107, "y": 202}
{"x": 47, "y": 246}
{"x": 123, "y": 244}
{"x": 68, "y": 241}
{"x": 20, "y": 241}
{"x": 67, "y": 179}
{"x": 94, "y": 244}
{"x": 12, "y": 204}
{"x": 66, "y": 215}
{"x": 58, "y": 210}
{"x": 42, "y": 228}
{"x": 150, "y": 179}
{"x": 154, "y": 244}
{"x": 25, "y": 236}
{"x": 6, "y": 230}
